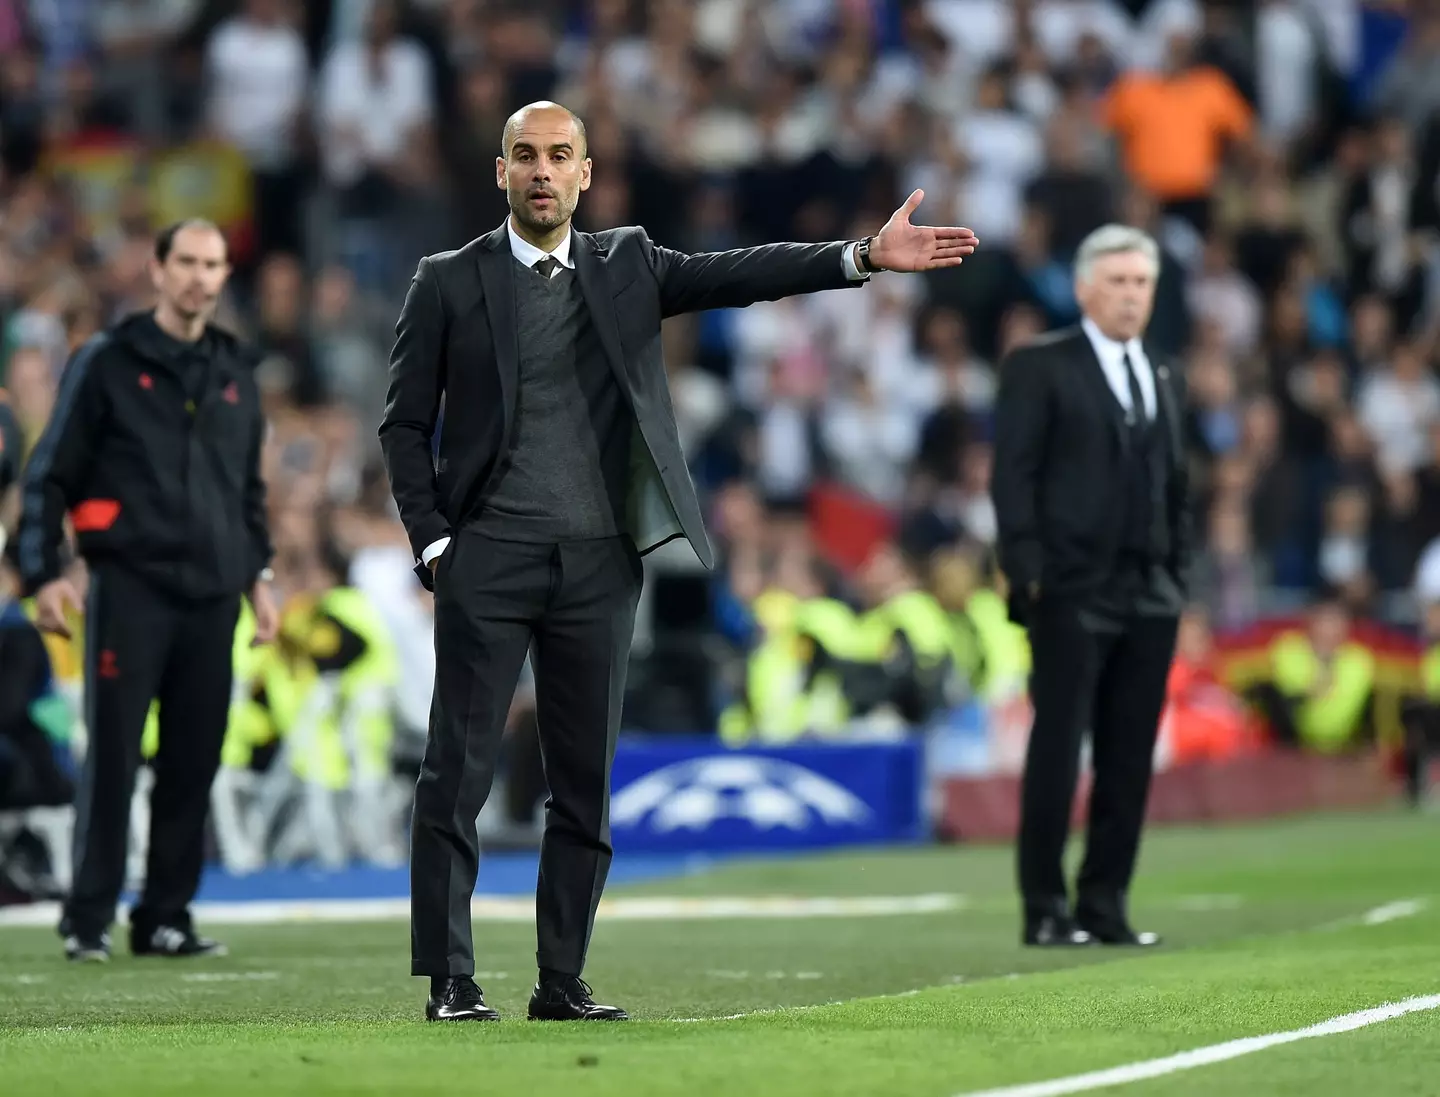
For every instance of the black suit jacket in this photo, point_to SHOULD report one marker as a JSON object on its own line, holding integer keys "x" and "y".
{"x": 456, "y": 338}
{"x": 1057, "y": 484}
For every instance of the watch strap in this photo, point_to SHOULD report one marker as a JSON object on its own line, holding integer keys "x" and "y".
{"x": 862, "y": 256}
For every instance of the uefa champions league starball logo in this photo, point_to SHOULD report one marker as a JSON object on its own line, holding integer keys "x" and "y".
{"x": 765, "y": 792}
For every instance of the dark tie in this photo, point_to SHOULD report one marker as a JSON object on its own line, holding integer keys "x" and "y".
{"x": 547, "y": 266}
{"x": 1138, "y": 414}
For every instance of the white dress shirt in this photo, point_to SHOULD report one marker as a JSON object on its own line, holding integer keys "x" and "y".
{"x": 1112, "y": 361}
{"x": 529, "y": 254}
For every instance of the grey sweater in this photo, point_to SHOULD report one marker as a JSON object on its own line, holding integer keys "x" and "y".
{"x": 565, "y": 477}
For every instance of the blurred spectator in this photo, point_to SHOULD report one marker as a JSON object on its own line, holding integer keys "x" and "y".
{"x": 1398, "y": 404}
{"x": 869, "y": 442}
{"x": 374, "y": 120}
{"x": 1221, "y": 295}
{"x": 1377, "y": 215}
{"x": 1075, "y": 197}
{"x": 1346, "y": 551}
{"x": 1320, "y": 689}
{"x": 1203, "y": 720}
{"x": 1274, "y": 483}
{"x": 1269, "y": 237}
{"x": 1174, "y": 126}
{"x": 1228, "y": 576}
{"x": 258, "y": 80}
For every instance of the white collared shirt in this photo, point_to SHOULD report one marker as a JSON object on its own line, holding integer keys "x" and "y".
{"x": 1112, "y": 361}
{"x": 529, "y": 254}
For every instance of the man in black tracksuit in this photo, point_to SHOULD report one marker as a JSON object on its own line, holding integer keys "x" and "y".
{"x": 153, "y": 451}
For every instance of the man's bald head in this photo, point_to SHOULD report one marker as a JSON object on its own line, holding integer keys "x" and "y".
{"x": 541, "y": 113}
{"x": 543, "y": 168}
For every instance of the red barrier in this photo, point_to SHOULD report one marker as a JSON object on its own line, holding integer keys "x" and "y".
{"x": 1259, "y": 786}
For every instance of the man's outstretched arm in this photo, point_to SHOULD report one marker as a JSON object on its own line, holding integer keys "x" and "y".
{"x": 734, "y": 279}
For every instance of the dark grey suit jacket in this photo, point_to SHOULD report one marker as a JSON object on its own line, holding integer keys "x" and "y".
{"x": 456, "y": 340}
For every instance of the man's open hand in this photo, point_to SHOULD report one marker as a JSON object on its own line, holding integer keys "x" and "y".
{"x": 903, "y": 246}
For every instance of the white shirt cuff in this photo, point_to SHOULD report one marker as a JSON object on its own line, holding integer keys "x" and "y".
{"x": 852, "y": 268}
{"x": 434, "y": 549}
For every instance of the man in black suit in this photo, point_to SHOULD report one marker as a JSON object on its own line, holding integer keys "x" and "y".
{"x": 558, "y": 466}
{"x": 1090, "y": 491}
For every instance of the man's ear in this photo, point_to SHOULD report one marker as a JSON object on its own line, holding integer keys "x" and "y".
{"x": 501, "y": 175}
{"x": 585, "y": 174}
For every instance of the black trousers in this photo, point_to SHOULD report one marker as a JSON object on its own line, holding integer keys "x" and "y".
{"x": 1421, "y": 718}
{"x": 575, "y": 603}
{"x": 1106, "y": 676}
{"x": 143, "y": 644}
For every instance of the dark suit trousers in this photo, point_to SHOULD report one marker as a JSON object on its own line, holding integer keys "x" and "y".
{"x": 575, "y": 603}
{"x": 1107, "y": 676}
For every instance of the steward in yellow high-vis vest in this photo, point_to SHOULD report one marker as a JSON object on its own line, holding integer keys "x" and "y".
{"x": 789, "y": 691}
{"x": 1321, "y": 684}
{"x": 339, "y": 728}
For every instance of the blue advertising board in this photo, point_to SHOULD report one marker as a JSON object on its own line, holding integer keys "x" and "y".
{"x": 676, "y": 794}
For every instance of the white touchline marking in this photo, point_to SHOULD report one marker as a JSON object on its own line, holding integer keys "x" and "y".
{"x": 1215, "y": 1053}
{"x": 1401, "y": 908}
{"x": 506, "y": 908}
{"x": 954, "y": 979}
{"x": 1377, "y": 916}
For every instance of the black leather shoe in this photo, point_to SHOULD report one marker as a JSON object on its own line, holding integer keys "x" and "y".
{"x": 569, "y": 1000}
{"x": 173, "y": 941}
{"x": 1120, "y": 933}
{"x": 1055, "y": 931}
{"x": 459, "y": 1000}
{"x": 88, "y": 948}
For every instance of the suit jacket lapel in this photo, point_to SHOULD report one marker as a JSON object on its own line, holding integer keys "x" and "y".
{"x": 1093, "y": 374}
{"x": 591, "y": 270}
{"x": 497, "y": 277}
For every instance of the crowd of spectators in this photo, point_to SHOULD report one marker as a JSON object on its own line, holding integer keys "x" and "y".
{"x": 1284, "y": 153}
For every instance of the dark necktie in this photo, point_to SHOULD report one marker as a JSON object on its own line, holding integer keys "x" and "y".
{"x": 1138, "y": 414}
{"x": 547, "y": 266}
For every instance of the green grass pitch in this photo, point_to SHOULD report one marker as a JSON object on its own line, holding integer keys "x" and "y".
{"x": 1266, "y": 932}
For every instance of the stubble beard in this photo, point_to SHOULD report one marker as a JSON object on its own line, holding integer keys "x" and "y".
{"x": 540, "y": 222}
{"x": 189, "y": 313}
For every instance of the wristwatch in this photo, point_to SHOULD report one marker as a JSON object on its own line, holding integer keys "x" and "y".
{"x": 862, "y": 256}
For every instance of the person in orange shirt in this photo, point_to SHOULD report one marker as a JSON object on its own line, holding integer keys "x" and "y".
{"x": 1204, "y": 721}
{"x": 1173, "y": 128}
